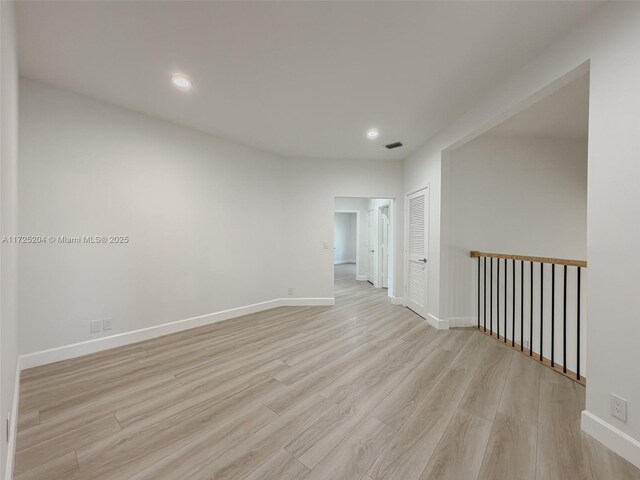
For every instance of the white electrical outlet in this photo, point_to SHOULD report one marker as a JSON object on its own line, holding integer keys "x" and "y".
{"x": 618, "y": 407}
{"x": 95, "y": 326}
{"x": 325, "y": 245}
{"x": 290, "y": 291}
{"x": 107, "y": 324}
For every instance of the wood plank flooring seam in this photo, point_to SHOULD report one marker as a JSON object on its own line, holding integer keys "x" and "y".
{"x": 493, "y": 425}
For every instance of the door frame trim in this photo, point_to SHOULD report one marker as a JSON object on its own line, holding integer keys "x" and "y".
{"x": 374, "y": 266}
{"x": 389, "y": 233}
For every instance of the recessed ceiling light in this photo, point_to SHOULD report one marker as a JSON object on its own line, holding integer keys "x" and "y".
{"x": 181, "y": 82}
{"x": 372, "y": 133}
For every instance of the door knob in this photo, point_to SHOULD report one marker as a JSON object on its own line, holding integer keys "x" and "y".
{"x": 372, "y": 251}
{"x": 423, "y": 260}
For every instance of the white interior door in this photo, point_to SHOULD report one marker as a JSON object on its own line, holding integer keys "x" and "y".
{"x": 384, "y": 247}
{"x": 417, "y": 248}
{"x": 371, "y": 245}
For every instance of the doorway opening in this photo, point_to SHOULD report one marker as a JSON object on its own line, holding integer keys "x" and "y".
{"x": 519, "y": 191}
{"x": 345, "y": 238}
{"x": 363, "y": 238}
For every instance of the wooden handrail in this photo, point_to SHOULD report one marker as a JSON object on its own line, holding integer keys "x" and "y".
{"x": 529, "y": 258}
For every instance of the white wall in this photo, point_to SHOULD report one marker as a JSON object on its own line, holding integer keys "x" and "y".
{"x": 203, "y": 215}
{"x": 518, "y": 195}
{"x": 8, "y": 224}
{"x": 613, "y": 226}
{"x": 205, "y": 218}
{"x": 345, "y": 238}
{"x": 605, "y": 45}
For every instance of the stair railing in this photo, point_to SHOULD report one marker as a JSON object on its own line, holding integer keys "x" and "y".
{"x": 535, "y": 334}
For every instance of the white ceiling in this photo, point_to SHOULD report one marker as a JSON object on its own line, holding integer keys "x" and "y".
{"x": 295, "y": 78}
{"x": 563, "y": 114}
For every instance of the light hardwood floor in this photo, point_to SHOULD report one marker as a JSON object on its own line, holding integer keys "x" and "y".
{"x": 362, "y": 390}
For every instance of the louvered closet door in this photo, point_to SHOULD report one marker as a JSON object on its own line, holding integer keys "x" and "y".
{"x": 416, "y": 258}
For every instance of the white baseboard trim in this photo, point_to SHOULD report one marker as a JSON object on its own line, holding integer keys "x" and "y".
{"x": 397, "y": 300}
{"x": 462, "y": 322}
{"x": 66, "y": 352}
{"x": 317, "y": 301}
{"x": 340, "y": 262}
{"x": 361, "y": 278}
{"x": 440, "y": 324}
{"x": 13, "y": 425}
{"x": 611, "y": 437}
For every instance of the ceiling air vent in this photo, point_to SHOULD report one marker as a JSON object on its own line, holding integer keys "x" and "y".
{"x": 394, "y": 145}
